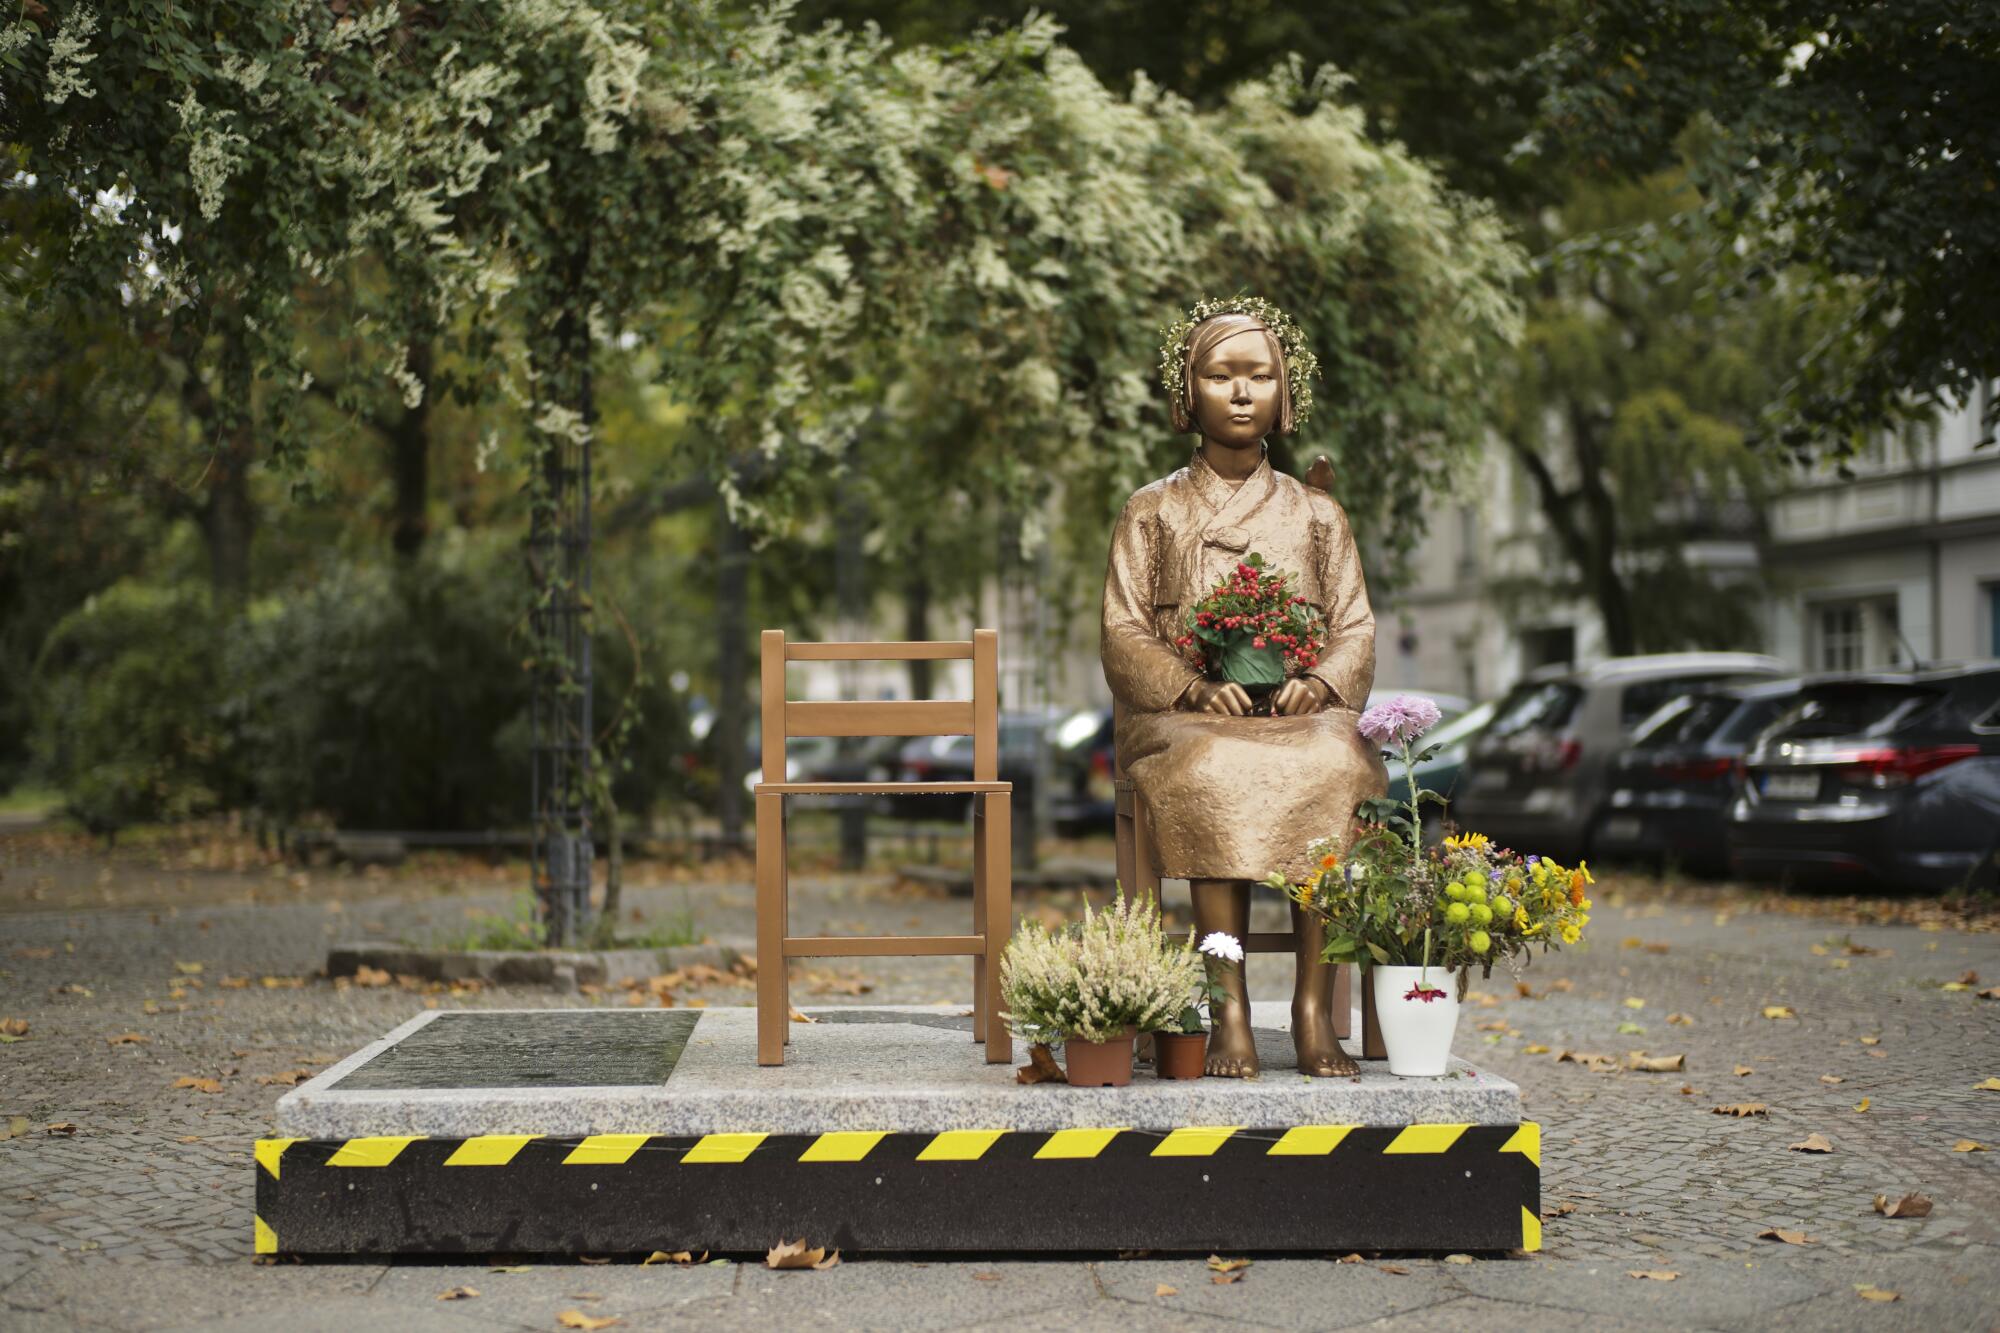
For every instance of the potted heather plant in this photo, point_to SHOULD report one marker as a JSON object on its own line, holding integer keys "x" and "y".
{"x": 1181, "y": 1050}
{"x": 1094, "y": 986}
{"x": 1252, "y": 629}
{"x": 1418, "y": 921}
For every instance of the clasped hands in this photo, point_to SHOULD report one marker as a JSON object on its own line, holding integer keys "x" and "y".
{"x": 1295, "y": 698}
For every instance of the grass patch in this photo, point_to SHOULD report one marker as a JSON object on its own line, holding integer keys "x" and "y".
{"x": 29, "y": 799}
{"x": 520, "y": 931}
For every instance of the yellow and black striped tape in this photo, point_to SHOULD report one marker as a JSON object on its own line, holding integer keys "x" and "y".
{"x": 991, "y": 1146}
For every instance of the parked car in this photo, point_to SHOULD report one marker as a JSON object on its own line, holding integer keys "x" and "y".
{"x": 1892, "y": 777}
{"x": 1083, "y": 797}
{"x": 1672, "y": 786}
{"x": 949, "y": 759}
{"x": 1536, "y": 778}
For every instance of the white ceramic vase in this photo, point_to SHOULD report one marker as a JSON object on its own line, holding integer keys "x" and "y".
{"x": 1417, "y": 1032}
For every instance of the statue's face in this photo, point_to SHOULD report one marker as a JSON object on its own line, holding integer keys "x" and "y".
{"x": 1236, "y": 390}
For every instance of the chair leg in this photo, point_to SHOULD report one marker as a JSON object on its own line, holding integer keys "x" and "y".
{"x": 1343, "y": 1000}
{"x": 999, "y": 922}
{"x": 979, "y": 1016}
{"x": 1124, "y": 837}
{"x": 772, "y": 1014}
{"x": 785, "y": 915}
{"x": 1371, "y": 1030}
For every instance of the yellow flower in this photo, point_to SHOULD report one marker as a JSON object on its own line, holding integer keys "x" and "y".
{"x": 1570, "y": 933}
{"x": 1471, "y": 842}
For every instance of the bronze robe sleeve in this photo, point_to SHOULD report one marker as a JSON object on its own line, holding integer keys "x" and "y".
{"x": 1347, "y": 667}
{"x": 1142, "y": 668}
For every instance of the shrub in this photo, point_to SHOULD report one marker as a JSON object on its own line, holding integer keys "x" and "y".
{"x": 1114, "y": 972}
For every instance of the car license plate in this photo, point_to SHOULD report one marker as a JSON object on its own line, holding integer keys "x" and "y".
{"x": 1791, "y": 786}
{"x": 1623, "y": 828}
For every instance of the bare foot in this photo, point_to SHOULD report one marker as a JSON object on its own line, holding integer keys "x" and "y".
{"x": 1232, "y": 1051}
{"x": 1319, "y": 1050}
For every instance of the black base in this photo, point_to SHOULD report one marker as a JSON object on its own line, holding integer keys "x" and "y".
{"x": 1314, "y": 1188}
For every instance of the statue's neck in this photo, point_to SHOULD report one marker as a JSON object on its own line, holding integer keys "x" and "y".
{"x": 1232, "y": 463}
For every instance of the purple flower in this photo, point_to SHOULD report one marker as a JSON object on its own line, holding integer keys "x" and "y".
{"x": 1399, "y": 720}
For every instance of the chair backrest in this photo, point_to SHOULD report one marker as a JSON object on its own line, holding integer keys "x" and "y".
{"x": 977, "y": 717}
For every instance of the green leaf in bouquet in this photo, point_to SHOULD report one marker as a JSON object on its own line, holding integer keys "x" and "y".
{"x": 1376, "y": 809}
{"x": 1381, "y": 954}
{"x": 1254, "y": 560}
{"x": 1252, "y": 666}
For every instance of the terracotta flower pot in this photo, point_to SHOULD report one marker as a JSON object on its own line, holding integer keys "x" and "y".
{"x": 1098, "y": 1064}
{"x": 1180, "y": 1054}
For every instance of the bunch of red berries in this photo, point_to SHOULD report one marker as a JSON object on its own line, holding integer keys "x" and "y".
{"x": 1256, "y": 604}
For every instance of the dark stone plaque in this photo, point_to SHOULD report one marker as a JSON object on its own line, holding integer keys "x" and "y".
{"x": 552, "y": 1048}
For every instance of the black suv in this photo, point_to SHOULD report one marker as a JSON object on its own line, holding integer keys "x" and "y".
{"x": 1888, "y": 776}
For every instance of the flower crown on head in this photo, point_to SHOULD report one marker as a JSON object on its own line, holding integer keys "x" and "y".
{"x": 1300, "y": 364}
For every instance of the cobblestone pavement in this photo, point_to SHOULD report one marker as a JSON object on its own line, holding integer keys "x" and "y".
{"x": 140, "y": 1217}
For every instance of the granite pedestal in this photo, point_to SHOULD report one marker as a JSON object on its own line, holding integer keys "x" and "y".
{"x": 612, "y": 1131}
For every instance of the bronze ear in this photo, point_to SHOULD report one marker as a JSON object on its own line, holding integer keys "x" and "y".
{"x": 1320, "y": 475}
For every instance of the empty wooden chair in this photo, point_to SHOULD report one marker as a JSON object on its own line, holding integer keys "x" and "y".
{"x": 992, "y": 867}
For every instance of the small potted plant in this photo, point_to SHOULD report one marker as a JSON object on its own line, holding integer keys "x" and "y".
{"x": 1417, "y": 921}
{"x": 1253, "y": 629}
{"x": 1094, "y": 986}
{"x": 1181, "y": 1050}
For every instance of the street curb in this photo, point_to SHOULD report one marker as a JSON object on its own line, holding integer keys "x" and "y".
{"x": 564, "y": 969}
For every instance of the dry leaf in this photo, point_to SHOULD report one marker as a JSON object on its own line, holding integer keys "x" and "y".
{"x": 1779, "y": 1011}
{"x": 1910, "y": 1205}
{"x": 199, "y": 1084}
{"x": 1536, "y": 1049}
{"x": 1630, "y": 1029}
{"x": 1655, "y": 1064}
{"x": 1397, "y": 1269}
{"x": 1831, "y": 1079}
{"x": 662, "y": 1257}
{"x": 188, "y": 969}
{"x": 1497, "y": 1025}
{"x": 794, "y": 1254}
{"x": 63, "y": 1128}
{"x": 1968, "y": 1145}
{"x": 1634, "y": 1002}
{"x": 1967, "y": 978}
{"x": 1221, "y": 1265}
{"x": 1744, "y": 1070}
{"x": 13, "y": 1027}
{"x": 1990, "y": 993}
{"x": 1789, "y": 1237}
{"x": 1740, "y": 1109}
{"x": 1560, "y": 1210}
{"x": 1164, "y": 1290}
{"x": 1595, "y": 1062}
{"x": 290, "y": 983}
{"x": 1041, "y": 1067}
{"x": 458, "y": 1294}
{"x": 1458, "y": 1258}
{"x": 291, "y": 1078}
{"x": 1870, "y": 1292}
{"x": 1226, "y": 1279}
{"x": 1871, "y": 1041}
{"x": 364, "y": 976}
{"x": 831, "y": 1261}
{"x": 1990, "y": 1085}
{"x": 15, "y": 1127}
{"x": 127, "y": 1039}
{"x": 578, "y": 1319}
{"x": 801, "y": 1016}
{"x": 513, "y": 1268}
{"x": 586, "y": 1259}
{"x": 234, "y": 983}
{"x": 985, "y": 1277}
{"x": 1652, "y": 1274}
{"x": 1680, "y": 1020}
{"x": 1879, "y": 1054}
{"x": 1864, "y": 1104}
{"x": 1560, "y": 984}
{"x": 38, "y": 952}
{"x": 1813, "y": 1143}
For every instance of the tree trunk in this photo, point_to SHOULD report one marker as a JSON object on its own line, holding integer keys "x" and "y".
{"x": 409, "y": 460}
{"x": 917, "y": 627}
{"x": 604, "y": 933}
{"x": 1614, "y": 600}
{"x": 228, "y": 517}
{"x": 732, "y": 588}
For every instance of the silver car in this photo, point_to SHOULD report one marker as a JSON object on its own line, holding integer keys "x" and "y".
{"x": 1537, "y": 777}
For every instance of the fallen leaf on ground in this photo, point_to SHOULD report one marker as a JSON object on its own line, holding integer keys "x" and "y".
{"x": 676, "y": 1257}
{"x": 1871, "y": 1041}
{"x": 1990, "y": 1085}
{"x": 985, "y": 1277}
{"x": 234, "y": 983}
{"x": 1831, "y": 1079}
{"x": 365, "y": 976}
{"x": 188, "y": 969}
{"x": 1164, "y": 1290}
{"x": 1630, "y": 1029}
{"x": 1537, "y": 1049}
{"x": 290, "y": 1078}
{"x": 1968, "y": 1145}
{"x": 36, "y": 952}
{"x": 1680, "y": 1021}
{"x": 1967, "y": 978}
{"x": 1740, "y": 1109}
{"x": 63, "y": 1128}
{"x": 1779, "y": 1011}
{"x": 1634, "y": 1002}
{"x": 15, "y": 1127}
{"x": 1595, "y": 1062}
{"x": 1458, "y": 1258}
{"x": 1222, "y": 1265}
{"x": 1990, "y": 993}
{"x": 1349, "y": 1259}
{"x": 1226, "y": 1279}
{"x": 1560, "y": 1210}
{"x": 1560, "y": 984}
{"x": 831, "y": 1261}
{"x": 1813, "y": 1143}
{"x": 1869, "y": 1292}
{"x": 512, "y": 1268}
{"x": 127, "y": 1039}
{"x": 586, "y": 1259}
{"x": 1041, "y": 1068}
{"x": 578, "y": 1319}
{"x": 1397, "y": 1269}
{"x": 199, "y": 1084}
{"x": 283, "y": 983}
{"x": 1655, "y": 1064}
{"x": 1864, "y": 1104}
{"x": 1652, "y": 1274}
{"x": 1743, "y": 1070}
{"x": 1789, "y": 1237}
{"x": 1912, "y": 1204}
{"x": 1497, "y": 1025}
{"x": 13, "y": 1027}
{"x": 794, "y": 1254}
{"x": 1879, "y": 1054}
{"x": 801, "y": 1016}
{"x": 458, "y": 1294}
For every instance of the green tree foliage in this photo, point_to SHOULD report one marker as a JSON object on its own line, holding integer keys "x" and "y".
{"x": 1856, "y": 145}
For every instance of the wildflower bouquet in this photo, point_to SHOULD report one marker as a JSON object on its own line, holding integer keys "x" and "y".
{"x": 1097, "y": 981}
{"x": 1253, "y": 629}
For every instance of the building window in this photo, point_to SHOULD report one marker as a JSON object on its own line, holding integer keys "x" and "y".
{"x": 1855, "y": 634}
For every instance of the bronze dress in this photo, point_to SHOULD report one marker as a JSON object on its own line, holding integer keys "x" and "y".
{"x": 1236, "y": 797}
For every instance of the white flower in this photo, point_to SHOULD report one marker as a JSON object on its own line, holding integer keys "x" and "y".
{"x": 1220, "y": 944}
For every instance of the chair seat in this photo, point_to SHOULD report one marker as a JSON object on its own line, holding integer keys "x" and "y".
{"x": 897, "y": 788}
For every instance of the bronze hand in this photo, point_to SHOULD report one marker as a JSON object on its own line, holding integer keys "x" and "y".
{"x": 1217, "y": 696}
{"x": 1301, "y": 695}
